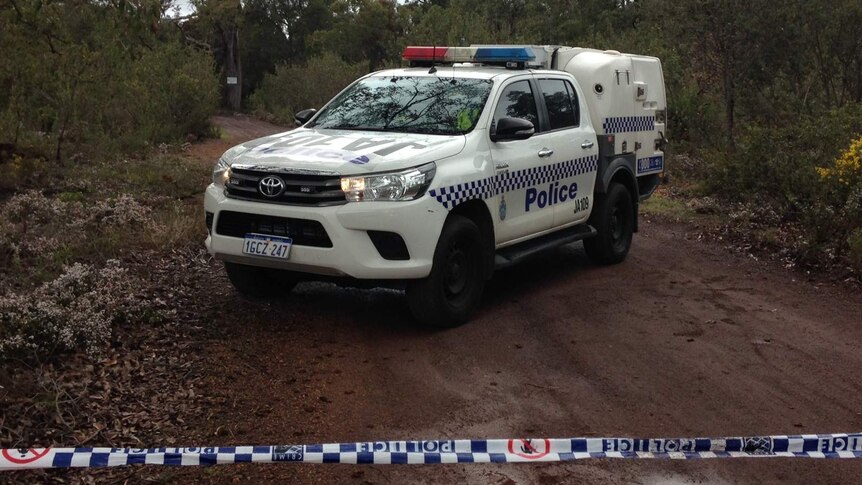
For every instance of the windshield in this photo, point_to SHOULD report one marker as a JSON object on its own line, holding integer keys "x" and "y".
{"x": 430, "y": 105}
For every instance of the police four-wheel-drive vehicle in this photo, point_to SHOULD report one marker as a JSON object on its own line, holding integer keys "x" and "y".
{"x": 430, "y": 177}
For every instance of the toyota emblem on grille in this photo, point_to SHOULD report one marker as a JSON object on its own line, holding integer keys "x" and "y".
{"x": 271, "y": 186}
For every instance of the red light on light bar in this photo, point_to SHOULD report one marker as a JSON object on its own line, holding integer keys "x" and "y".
{"x": 424, "y": 53}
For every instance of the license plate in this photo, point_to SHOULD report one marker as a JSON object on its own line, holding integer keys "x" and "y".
{"x": 268, "y": 246}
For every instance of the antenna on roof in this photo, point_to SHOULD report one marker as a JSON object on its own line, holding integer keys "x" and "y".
{"x": 433, "y": 58}
{"x": 453, "y": 74}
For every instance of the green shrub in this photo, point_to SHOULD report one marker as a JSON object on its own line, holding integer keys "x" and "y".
{"x": 103, "y": 78}
{"x": 773, "y": 164}
{"x": 294, "y": 88}
{"x": 803, "y": 172}
{"x": 780, "y": 163}
{"x": 170, "y": 93}
{"x": 854, "y": 245}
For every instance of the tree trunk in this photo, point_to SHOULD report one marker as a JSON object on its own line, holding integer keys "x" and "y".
{"x": 233, "y": 68}
{"x": 729, "y": 104}
{"x": 64, "y": 123}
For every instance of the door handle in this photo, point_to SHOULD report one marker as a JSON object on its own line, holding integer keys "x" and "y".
{"x": 501, "y": 166}
{"x": 587, "y": 144}
{"x": 545, "y": 152}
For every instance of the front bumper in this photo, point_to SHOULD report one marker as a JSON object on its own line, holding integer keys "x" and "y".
{"x": 352, "y": 254}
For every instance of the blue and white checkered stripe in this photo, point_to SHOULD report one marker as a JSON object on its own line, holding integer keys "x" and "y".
{"x": 837, "y": 445}
{"x": 628, "y": 124}
{"x": 452, "y": 195}
{"x": 455, "y": 194}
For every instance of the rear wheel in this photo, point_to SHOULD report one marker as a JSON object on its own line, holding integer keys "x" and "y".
{"x": 257, "y": 282}
{"x": 614, "y": 220}
{"x": 453, "y": 290}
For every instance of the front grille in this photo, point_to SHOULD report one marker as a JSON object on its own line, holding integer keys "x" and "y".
{"x": 303, "y": 231}
{"x": 299, "y": 189}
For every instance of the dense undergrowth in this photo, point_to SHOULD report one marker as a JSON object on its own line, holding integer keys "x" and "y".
{"x": 811, "y": 219}
{"x": 65, "y": 252}
{"x": 90, "y": 80}
{"x": 100, "y": 302}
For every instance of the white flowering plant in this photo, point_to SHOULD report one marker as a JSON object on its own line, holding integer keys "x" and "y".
{"x": 75, "y": 311}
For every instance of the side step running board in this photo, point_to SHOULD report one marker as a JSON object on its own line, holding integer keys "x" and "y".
{"x": 513, "y": 254}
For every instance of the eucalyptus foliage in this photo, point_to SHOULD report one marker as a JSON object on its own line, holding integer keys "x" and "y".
{"x": 98, "y": 77}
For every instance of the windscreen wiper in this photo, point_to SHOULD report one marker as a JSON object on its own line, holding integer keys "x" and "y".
{"x": 353, "y": 127}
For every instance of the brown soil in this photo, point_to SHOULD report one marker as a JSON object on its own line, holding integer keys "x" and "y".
{"x": 235, "y": 129}
{"x": 683, "y": 339}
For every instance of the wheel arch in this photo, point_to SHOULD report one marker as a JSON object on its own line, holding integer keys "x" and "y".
{"x": 620, "y": 170}
{"x": 477, "y": 211}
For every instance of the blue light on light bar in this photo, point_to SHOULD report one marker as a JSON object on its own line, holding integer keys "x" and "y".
{"x": 504, "y": 54}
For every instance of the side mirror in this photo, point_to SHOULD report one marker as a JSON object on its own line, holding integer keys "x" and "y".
{"x": 513, "y": 129}
{"x": 303, "y": 116}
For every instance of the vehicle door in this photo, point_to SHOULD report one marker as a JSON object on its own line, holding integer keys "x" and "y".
{"x": 518, "y": 163}
{"x": 570, "y": 144}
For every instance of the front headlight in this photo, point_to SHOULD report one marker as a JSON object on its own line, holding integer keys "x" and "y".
{"x": 221, "y": 172}
{"x": 405, "y": 185}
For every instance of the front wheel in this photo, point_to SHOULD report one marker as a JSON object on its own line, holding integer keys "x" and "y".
{"x": 614, "y": 220}
{"x": 257, "y": 282}
{"x": 453, "y": 290}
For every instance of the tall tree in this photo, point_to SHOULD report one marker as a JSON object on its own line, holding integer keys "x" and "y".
{"x": 738, "y": 46}
{"x": 363, "y": 30}
{"x": 223, "y": 18}
{"x": 263, "y": 44}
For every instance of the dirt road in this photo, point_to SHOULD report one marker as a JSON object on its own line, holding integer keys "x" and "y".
{"x": 683, "y": 339}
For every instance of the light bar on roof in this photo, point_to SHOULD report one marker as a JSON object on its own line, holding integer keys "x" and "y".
{"x": 424, "y": 53}
{"x": 503, "y": 54}
{"x": 516, "y": 54}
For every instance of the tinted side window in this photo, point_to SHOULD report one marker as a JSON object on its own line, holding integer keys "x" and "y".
{"x": 561, "y": 110}
{"x": 517, "y": 101}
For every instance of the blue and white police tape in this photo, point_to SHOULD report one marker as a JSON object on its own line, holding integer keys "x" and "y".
{"x": 447, "y": 451}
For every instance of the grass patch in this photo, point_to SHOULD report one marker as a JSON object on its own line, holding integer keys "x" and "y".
{"x": 663, "y": 205}
{"x": 181, "y": 224}
{"x": 72, "y": 196}
{"x": 168, "y": 175}
{"x": 106, "y": 211}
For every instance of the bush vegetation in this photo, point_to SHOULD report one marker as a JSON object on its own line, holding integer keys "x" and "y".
{"x": 98, "y": 78}
{"x": 77, "y": 310}
{"x": 91, "y": 89}
{"x": 65, "y": 256}
{"x": 310, "y": 85}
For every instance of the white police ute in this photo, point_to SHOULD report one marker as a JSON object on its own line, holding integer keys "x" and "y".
{"x": 432, "y": 176}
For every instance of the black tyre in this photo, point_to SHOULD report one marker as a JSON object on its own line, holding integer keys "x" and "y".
{"x": 453, "y": 290}
{"x": 257, "y": 282}
{"x": 614, "y": 219}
